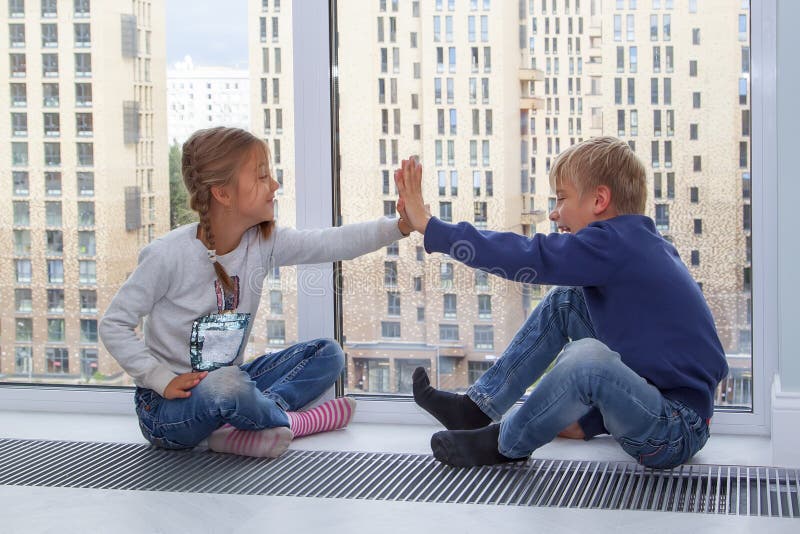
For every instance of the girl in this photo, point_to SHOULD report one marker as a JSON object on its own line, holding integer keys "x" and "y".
{"x": 201, "y": 283}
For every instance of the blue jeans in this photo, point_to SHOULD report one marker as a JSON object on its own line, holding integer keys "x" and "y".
{"x": 656, "y": 431}
{"x": 253, "y": 396}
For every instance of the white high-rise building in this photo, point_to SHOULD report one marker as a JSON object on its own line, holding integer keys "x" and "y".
{"x": 201, "y": 97}
{"x": 83, "y": 171}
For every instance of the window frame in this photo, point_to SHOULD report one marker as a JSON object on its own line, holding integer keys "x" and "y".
{"x": 315, "y": 120}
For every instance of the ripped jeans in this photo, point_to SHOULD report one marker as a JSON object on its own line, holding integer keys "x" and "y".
{"x": 658, "y": 432}
{"x": 252, "y": 396}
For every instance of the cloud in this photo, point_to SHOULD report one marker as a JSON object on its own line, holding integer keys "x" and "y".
{"x": 212, "y": 32}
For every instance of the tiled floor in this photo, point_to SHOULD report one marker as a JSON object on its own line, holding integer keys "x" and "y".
{"x": 33, "y": 509}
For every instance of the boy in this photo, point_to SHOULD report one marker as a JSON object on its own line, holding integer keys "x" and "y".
{"x": 639, "y": 353}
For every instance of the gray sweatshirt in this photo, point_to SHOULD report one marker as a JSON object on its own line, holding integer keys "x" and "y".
{"x": 175, "y": 283}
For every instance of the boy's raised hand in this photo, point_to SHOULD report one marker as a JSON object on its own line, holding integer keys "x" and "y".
{"x": 409, "y": 185}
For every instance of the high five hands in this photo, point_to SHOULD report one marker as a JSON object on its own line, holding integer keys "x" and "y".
{"x": 411, "y": 205}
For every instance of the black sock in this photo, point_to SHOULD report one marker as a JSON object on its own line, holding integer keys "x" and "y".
{"x": 454, "y": 411}
{"x": 468, "y": 448}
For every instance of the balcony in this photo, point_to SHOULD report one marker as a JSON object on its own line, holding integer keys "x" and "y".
{"x": 531, "y": 102}
{"x": 531, "y": 75}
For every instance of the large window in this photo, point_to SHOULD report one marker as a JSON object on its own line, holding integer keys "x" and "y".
{"x": 647, "y": 89}
{"x": 91, "y": 186}
{"x": 403, "y": 94}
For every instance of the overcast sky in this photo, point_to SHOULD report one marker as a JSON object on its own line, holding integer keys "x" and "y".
{"x": 214, "y": 33}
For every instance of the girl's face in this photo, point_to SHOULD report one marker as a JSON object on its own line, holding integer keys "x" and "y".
{"x": 254, "y": 190}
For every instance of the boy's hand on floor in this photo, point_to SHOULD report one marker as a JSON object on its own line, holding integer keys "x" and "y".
{"x": 409, "y": 184}
{"x": 178, "y": 387}
{"x": 573, "y": 431}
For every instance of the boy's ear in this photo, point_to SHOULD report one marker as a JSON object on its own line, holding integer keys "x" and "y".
{"x": 221, "y": 195}
{"x": 602, "y": 200}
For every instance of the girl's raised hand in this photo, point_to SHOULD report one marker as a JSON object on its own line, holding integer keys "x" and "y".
{"x": 409, "y": 186}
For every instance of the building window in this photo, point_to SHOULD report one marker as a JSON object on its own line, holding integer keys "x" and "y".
{"x": 448, "y": 332}
{"x": 87, "y": 270}
{"x": 89, "y": 363}
{"x": 476, "y": 369}
{"x": 21, "y": 183}
{"x": 484, "y": 337}
{"x": 390, "y": 329}
{"x": 449, "y": 305}
{"x": 446, "y": 274}
{"x": 24, "y": 329}
{"x": 18, "y": 65}
{"x": 23, "y": 300}
{"x": 662, "y": 217}
{"x": 446, "y": 211}
{"x": 22, "y": 269}
{"x": 83, "y": 34}
{"x": 19, "y": 154}
{"x": 86, "y": 154}
{"x": 85, "y": 183}
{"x": 276, "y": 332}
{"x": 83, "y": 65}
{"x": 57, "y": 360}
{"x": 393, "y": 303}
{"x": 485, "y": 306}
{"x": 55, "y": 330}
{"x": 390, "y": 273}
{"x": 55, "y": 243}
{"x": 88, "y": 301}
{"x": 19, "y": 96}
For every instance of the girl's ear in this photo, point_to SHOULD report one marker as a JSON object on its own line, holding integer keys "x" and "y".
{"x": 221, "y": 195}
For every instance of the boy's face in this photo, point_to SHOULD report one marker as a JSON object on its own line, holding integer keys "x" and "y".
{"x": 573, "y": 212}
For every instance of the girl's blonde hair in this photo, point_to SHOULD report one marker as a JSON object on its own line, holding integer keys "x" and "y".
{"x": 213, "y": 157}
{"x": 604, "y": 161}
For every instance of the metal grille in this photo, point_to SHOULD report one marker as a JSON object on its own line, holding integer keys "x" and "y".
{"x": 708, "y": 489}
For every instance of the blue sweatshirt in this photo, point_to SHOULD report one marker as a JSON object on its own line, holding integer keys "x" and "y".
{"x": 642, "y": 300}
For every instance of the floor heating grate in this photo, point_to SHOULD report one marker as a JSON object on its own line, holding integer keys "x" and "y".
{"x": 707, "y": 489}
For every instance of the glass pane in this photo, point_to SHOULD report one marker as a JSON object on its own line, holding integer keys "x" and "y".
{"x": 82, "y": 211}
{"x": 444, "y": 317}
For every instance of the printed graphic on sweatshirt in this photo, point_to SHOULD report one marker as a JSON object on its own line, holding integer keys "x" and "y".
{"x": 217, "y": 339}
{"x": 227, "y": 302}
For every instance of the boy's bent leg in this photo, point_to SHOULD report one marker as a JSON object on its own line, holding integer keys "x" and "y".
{"x": 649, "y": 426}
{"x": 297, "y": 375}
{"x": 561, "y": 316}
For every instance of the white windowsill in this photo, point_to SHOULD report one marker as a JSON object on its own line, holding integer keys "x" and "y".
{"x": 366, "y": 437}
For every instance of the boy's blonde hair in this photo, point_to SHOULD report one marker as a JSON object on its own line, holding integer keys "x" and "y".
{"x": 213, "y": 157}
{"x": 604, "y": 161}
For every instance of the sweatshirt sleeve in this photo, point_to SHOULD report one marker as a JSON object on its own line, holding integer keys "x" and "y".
{"x": 134, "y": 300}
{"x": 297, "y": 247}
{"x": 586, "y": 258}
{"x": 592, "y": 424}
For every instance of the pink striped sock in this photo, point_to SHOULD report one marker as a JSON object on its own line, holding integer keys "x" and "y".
{"x": 331, "y": 415}
{"x": 267, "y": 443}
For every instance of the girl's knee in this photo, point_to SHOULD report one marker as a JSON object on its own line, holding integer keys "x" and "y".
{"x": 224, "y": 383}
{"x": 331, "y": 350}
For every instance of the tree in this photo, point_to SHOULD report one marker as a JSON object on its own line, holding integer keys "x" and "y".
{"x": 179, "y": 211}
